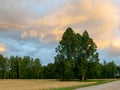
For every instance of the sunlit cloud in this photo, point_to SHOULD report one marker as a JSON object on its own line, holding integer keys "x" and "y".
{"x": 116, "y": 43}
{"x": 100, "y": 19}
{"x": 2, "y": 48}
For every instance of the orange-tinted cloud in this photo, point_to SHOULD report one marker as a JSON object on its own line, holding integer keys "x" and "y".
{"x": 101, "y": 18}
{"x": 2, "y": 48}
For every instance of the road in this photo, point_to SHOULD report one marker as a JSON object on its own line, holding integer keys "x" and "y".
{"x": 108, "y": 86}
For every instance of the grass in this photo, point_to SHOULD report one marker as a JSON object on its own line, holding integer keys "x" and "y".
{"x": 95, "y": 82}
{"x": 45, "y": 84}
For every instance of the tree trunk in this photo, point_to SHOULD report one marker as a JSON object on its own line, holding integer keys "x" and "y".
{"x": 83, "y": 76}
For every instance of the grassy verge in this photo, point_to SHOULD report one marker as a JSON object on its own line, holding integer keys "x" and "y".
{"x": 97, "y": 82}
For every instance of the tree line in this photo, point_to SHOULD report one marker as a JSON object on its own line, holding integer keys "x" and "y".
{"x": 20, "y": 68}
{"x": 77, "y": 58}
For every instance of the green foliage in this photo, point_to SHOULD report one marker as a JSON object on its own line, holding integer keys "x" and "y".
{"x": 75, "y": 51}
{"x": 118, "y": 71}
{"x": 37, "y": 68}
{"x": 94, "y": 67}
{"x": 19, "y": 68}
{"x": 14, "y": 63}
{"x": 86, "y": 52}
{"x": 66, "y": 54}
{"x": 109, "y": 70}
{"x": 77, "y": 57}
{"x": 50, "y": 71}
{"x": 3, "y": 67}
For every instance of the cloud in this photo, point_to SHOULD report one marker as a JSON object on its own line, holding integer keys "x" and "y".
{"x": 2, "y": 48}
{"x": 100, "y": 18}
{"x": 114, "y": 48}
{"x": 36, "y": 26}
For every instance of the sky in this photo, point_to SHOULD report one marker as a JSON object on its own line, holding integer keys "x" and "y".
{"x": 35, "y": 27}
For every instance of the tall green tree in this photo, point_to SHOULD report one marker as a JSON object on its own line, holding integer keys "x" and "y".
{"x": 86, "y": 50}
{"x": 66, "y": 53}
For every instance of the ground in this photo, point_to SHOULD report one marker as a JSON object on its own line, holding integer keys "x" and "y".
{"x": 38, "y": 84}
{"x": 108, "y": 86}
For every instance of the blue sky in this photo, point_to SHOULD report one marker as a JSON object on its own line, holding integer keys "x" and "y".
{"x": 34, "y": 27}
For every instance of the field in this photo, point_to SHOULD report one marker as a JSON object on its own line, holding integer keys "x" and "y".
{"x": 37, "y": 84}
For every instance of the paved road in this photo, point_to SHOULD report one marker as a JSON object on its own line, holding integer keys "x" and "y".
{"x": 108, "y": 86}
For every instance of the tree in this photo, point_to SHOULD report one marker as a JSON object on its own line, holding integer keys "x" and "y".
{"x": 25, "y": 65}
{"x": 60, "y": 67}
{"x": 118, "y": 71}
{"x": 37, "y": 68}
{"x": 13, "y": 67}
{"x": 111, "y": 70}
{"x": 79, "y": 63}
{"x": 104, "y": 69}
{"x": 3, "y": 67}
{"x": 86, "y": 50}
{"x": 66, "y": 53}
{"x": 50, "y": 71}
{"x": 94, "y": 67}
